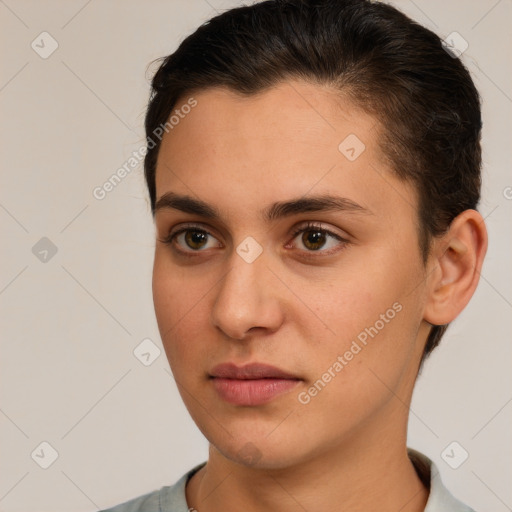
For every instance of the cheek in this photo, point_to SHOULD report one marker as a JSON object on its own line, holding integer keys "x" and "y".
{"x": 165, "y": 288}
{"x": 361, "y": 369}
{"x": 372, "y": 317}
{"x": 175, "y": 291}
{"x": 181, "y": 302}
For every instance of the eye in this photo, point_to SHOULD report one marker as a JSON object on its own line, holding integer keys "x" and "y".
{"x": 192, "y": 239}
{"x": 315, "y": 238}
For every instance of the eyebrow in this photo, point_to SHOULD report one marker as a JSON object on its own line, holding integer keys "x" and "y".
{"x": 281, "y": 209}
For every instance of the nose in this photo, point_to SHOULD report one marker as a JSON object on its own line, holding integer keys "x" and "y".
{"x": 247, "y": 300}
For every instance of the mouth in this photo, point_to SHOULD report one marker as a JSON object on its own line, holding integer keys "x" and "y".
{"x": 251, "y": 385}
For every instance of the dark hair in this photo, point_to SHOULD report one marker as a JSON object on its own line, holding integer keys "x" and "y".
{"x": 387, "y": 64}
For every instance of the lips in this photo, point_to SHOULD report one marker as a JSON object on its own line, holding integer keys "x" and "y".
{"x": 251, "y": 385}
{"x": 250, "y": 371}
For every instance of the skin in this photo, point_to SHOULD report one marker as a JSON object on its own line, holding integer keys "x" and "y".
{"x": 298, "y": 308}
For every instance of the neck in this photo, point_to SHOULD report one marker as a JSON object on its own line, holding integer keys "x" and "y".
{"x": 367, "y": 471}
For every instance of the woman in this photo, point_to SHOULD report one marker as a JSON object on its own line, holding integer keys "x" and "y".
{"x": 314, "y": 172}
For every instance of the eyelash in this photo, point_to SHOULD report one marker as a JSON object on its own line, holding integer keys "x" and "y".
{"x": 309, "y": 226}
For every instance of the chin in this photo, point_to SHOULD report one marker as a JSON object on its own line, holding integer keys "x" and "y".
{"x": 259, "y": 453}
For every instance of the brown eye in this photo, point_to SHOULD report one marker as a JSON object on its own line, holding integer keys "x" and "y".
{"x": 196, "y": 239}
{"x": 193, "y": 240}
{"x": 314, "y": 239}
{"x": 311, "y": 238}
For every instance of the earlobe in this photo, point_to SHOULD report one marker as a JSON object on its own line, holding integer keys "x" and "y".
{"x": 458, "y": 258}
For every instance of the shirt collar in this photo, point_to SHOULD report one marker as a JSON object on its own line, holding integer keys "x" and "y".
{"x": 440, "y": 499}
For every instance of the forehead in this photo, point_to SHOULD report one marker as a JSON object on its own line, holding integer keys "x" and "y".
{"x": 291, "y": 139}
{"x": 286, "y": 119}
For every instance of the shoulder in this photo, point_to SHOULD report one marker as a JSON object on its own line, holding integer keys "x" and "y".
{"x": 166, "y": 499}
{"x": 147, "y": 502}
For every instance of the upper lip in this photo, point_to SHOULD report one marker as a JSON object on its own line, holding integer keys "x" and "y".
{"x": 250, "y": 371}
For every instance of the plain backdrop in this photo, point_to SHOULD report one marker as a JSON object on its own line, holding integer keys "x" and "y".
{"x": 75, "y": 282}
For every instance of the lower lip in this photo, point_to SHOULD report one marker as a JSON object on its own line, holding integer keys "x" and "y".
{"x": 252, "y": 392}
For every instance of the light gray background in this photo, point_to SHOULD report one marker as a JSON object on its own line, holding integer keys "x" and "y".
{"x": 70, "y": 324}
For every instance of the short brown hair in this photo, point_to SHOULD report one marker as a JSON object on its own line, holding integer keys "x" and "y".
{"x": 390, "y": 66}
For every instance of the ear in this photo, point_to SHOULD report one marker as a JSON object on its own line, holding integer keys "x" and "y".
{"x": 454, "y": 268}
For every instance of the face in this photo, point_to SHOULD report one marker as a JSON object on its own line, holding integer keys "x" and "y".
{"x": 283, "y": 241}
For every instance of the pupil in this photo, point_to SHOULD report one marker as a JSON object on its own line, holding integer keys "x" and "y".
{"x": 313, "y": 239}
{"x": 195, "y": 239}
